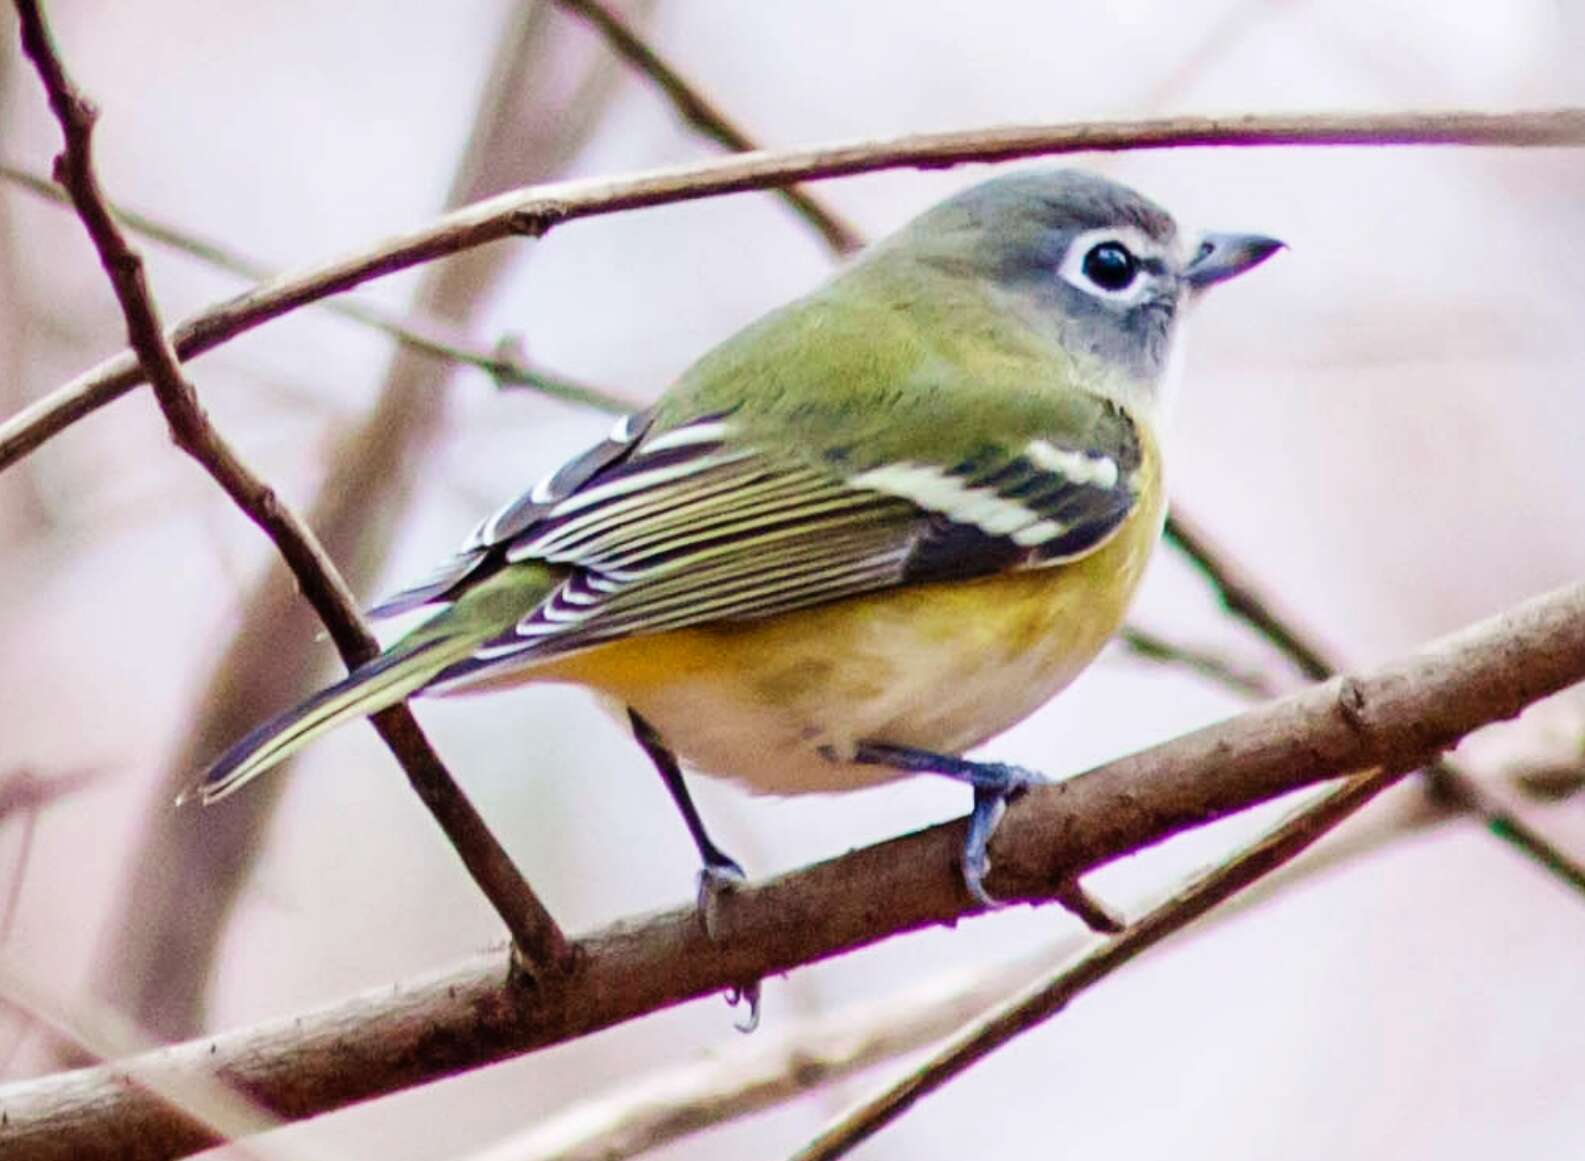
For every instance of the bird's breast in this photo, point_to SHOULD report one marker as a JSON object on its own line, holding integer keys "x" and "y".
{"x": 942, "y": 667}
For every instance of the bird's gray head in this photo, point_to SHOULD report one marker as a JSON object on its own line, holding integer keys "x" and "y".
{"x": 1096, "y": 264}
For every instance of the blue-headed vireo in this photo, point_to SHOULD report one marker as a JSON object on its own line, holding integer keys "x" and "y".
{"x": 874, "y": 529}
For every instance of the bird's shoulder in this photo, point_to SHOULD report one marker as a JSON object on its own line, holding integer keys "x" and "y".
{"x": 864, "y": 373}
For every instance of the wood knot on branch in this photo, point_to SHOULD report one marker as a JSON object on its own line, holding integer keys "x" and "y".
{"x": 1352, "y": 704}
{"x": 537, "y": 221}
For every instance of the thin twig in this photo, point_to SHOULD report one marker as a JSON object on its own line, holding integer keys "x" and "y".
{"x": 1047, "y": 997}
{"x": 534, "y": 931}
{"x": 419, "y": 331}
{"x": 1209, "y": 665}
{"x": 25, "y": 793}
{"x": 25, "y": 511}
{"x": 535, "y": 210}
{"x": 1241, "y": 596}
{"x": 1455, "y": 785}
{"x": 705, "y": 116}
{"x": 1391, "y": 719}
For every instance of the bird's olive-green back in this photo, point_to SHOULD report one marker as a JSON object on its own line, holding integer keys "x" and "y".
{"x": 898, "y": 360}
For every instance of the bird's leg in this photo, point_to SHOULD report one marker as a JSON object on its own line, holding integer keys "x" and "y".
{"x": 721, "y": 870}
{"x": 994, "y": 783}
{"x": 720, "y": 873}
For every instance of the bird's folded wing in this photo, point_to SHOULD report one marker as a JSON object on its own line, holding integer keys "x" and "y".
{"x": 692, "y": 526}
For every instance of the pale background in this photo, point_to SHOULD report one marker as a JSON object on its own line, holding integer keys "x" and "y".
{"x": 1386, "y": 424}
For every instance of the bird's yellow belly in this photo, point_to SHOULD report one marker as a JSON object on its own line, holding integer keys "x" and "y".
{"x": 941, "y": 667}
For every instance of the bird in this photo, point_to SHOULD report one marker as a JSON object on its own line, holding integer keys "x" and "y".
{"x": 857, "y": 540}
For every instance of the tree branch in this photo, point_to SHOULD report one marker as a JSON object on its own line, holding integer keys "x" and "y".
{"x": 705, "y": 116}
{"x": 535, "y": 210}
{"x": 534, "y": 932}
{"x": 638, "y": 1115}
{"x": 1392, "y": 720}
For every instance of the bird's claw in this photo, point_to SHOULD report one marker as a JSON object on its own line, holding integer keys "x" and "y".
{"x": 989, "y": 802}
{"x": 717, "y": 880}
{"x": 745, "y": 994}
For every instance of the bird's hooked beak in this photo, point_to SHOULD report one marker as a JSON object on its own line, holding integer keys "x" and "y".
{"x": 1224, "y": 256}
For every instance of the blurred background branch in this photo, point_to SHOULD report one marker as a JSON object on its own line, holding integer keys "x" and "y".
{"x": 1240, "y": 597}
{"x": 706, "y": 116}
{"x": 24, "y": 795}
{"x": 425, "y": 333}
{"x": 98, "y": 1032}
{"x": 23, "y": 513}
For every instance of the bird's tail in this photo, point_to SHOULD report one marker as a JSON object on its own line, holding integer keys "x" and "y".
{"x": 368, "y": 689}
{"x": 398, "y": 673}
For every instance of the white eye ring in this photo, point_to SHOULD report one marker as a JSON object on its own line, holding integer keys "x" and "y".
{"x": 1072, "y": 270}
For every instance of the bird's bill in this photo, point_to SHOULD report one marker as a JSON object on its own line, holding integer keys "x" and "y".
{"x": 1224, "y": 256}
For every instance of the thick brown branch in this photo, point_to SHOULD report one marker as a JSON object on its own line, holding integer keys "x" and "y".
{"x": 1393, "y": 719}
{"x": 705, "y": 116}
{"x": 533, "y": 930}
{"x": 537, "y": 209}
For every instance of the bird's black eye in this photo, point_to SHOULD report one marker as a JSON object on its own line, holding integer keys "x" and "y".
{"x": 1110, "y": 266}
